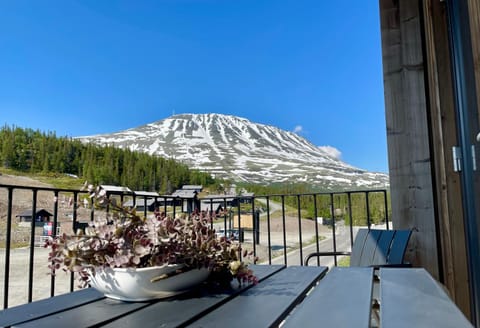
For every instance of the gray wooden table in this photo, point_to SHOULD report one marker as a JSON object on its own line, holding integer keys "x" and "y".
{"x": 263, "y": 305}
{"x": 294, "y": 296}
{"x": 399, "y": 297}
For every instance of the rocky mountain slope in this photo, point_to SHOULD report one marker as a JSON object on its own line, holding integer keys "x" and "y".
{"x": 236, "y": 148}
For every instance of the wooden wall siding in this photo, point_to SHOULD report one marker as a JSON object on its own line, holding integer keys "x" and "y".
{"x": 447, "y": 186}
{"x": 407, "y": 128}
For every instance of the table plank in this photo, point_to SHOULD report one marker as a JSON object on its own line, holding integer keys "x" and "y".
{"x": 87, "y": 315}
{"x": 341, "y": 299}
{"x": 30, "y": 311}
{"x": 106, "y": 311}
{"x": 185, "y": 308}
{"x": 412, "y": 298}
{"x": 266, "y": 304}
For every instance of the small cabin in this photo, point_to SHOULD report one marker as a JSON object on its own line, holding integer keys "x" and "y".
{"x": 188, "y": 197}
{"x": 41, "y": 216}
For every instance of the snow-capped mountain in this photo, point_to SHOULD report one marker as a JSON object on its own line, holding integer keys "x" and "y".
{"x": 236, "y": 148}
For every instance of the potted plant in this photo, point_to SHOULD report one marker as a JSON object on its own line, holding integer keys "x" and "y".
{"x": 130, "y": 257}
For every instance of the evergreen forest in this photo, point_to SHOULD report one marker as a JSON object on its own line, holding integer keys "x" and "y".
{"x": 33, "y": 151}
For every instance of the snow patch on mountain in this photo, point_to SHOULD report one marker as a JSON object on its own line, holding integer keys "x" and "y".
{"x": 236, "y": 148}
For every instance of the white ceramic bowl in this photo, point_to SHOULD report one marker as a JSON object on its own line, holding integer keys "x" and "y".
{"x": 132, "y": 284}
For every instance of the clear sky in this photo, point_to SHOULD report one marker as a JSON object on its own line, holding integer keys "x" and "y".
{"x": 88, "y": 67}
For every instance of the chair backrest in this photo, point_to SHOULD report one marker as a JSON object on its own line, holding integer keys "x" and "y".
{"x": 399, "y": 246}
{"x": 379, "y": 247}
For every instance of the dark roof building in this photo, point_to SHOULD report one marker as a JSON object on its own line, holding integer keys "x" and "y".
{"x": 41, "y": 216}
{"x": 115, "y": 189}
{"x": 193, "y": 187}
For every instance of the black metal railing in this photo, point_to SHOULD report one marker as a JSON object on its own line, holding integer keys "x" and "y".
{"x": 278, "y": 228}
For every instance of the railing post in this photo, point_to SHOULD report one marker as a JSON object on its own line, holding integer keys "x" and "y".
{"x": 254, "y": 232}
{"x": 7, "y": 248}
{"x": 315, "y": 214}
{"x": 332, "y": 213}
{"x": 256, "y": 224}
{"x": 32, "y": 246}
{"x": 144, "y": 205}
{"x": 386, "y": 208}
{"x": 54, "y": 234}
{"x": 284, "y": 231}
{"x": 367, "y": 204}
{"x": 350, "y": 213}
{"x": 268, "y": 232}
{"x": 74, "y": 222}
{"x": 299, "y": 211}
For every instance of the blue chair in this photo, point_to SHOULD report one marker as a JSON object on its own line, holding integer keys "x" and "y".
{"x": 373, "y": 247}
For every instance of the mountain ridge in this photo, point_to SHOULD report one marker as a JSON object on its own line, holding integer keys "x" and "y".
{"x": 235, "y": 148}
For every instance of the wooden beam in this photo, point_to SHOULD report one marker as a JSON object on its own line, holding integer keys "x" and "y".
{"x": 408, "y": 128}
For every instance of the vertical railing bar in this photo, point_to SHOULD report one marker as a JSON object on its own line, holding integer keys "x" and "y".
{"x": 227, "y": 215}
{"x": 332, "y": 213}
{"x": 156, "y": 207}
{"x": 367, "y": 203}
{"x": 54, "y": 234}
{"x": 239, "y": 218}
{"x": 122, "y": 196}
{"x": 269, "y": 232}
{"x": 349, "y": 199}
{"x": 386, "y": 208}
{"x": 144, "y": 205}
{"x": 74, "y": 215}
{"x": 175, "y": 206}
{"x": 92, "y": 209}
{"x": 107, "y": 210}
{"x": 315, "y": 214}
{"x": 211, "y": 215}
{"x": 7, "y": 248}
{"x": 32, "y": 245}
{"x": 284, "y": 231}
{"x": 255, "y": 227}
{"x": 225, "y": 230}
{"x": 299, "y": 210}
{"x": 75, "y": 202}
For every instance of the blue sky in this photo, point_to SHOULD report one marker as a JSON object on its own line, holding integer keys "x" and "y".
{"x": 87, "y": 67}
